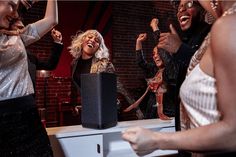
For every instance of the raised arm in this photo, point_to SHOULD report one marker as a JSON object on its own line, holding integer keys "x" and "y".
{"x": 142, "y": 37}
{"x": 52, "y": 61}
{"x": 50, "y": 19}
{"x": 154, "y": 24}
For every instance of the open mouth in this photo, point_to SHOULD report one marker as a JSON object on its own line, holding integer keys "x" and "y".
{"x": 184, "y": 19}
{"x": 90, "y": 45}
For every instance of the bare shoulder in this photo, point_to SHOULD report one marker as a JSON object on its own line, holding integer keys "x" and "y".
{"x": 223, "y": 36}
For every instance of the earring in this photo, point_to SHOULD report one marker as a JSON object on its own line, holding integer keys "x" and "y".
{"x": 214, "y": 4}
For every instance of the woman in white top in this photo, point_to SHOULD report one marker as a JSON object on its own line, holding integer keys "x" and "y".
{"x": 207, "y": 94}
{"x": 21, "y": 133}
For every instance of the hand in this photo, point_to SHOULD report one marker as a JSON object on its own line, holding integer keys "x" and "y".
{"x": 142, "y": 37}
{"x": 154, "y": 24}
{"x": 170, "y": 41}
{"x": 141, "y": 140}
{"x": 56, "y": 35}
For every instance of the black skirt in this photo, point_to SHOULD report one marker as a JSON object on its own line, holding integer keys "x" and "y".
{"x": 21, "y": 132}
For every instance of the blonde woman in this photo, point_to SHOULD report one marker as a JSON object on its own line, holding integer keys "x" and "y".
{"x": 92, "y": 56}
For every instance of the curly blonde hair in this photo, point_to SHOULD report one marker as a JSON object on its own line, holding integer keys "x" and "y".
{"x": 75, "y": 48}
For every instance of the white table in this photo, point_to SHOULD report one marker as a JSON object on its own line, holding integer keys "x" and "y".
{"x": 76, "y": 141}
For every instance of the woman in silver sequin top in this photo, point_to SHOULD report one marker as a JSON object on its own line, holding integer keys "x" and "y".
{"x": 22, "y": 133}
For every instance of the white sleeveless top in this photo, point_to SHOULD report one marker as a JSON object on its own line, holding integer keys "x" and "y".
{"x": 198, "y": 95}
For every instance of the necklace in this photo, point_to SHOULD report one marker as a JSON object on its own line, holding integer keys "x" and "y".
{"x": 231, "y": 10}
{"x": 199, "y": 53}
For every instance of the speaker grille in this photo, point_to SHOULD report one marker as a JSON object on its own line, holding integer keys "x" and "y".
{"x": 98, "y": 98}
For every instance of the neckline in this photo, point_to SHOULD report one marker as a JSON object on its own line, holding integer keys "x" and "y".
{"x": 81, "y": 57}
{"x": 198, "y": 67}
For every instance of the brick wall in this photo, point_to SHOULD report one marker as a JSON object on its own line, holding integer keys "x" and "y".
{"x": 129, "y": 19}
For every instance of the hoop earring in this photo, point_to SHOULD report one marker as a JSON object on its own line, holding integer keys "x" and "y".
{"x": 214, "y": 4}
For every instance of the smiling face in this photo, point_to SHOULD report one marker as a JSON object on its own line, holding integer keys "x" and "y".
{"x": 187, "y": 14}
{"x": 90, "y": 45}
{"x": 157, "y": 58}
{"x": 8, "y": 12}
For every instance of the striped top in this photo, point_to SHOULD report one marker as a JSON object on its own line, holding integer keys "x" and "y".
{"x": 199, "y": 102}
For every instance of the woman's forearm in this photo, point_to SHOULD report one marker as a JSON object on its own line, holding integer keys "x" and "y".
{"x": 210, "y": 138}
{"x": 50, "y": 19}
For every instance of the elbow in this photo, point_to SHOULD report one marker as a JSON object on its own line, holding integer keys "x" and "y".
{"x": 51, "y": 22}
{"x": 55, "y": 22}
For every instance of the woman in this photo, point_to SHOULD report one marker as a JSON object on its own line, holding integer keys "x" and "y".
{"x": 91, "y": 56}
{"x": 154, "y": 76}
{"x": 155, "y": 102}
{"x": 207, "y": 94}
{"x": 157, "y": 84}
{"x": 22, "y": 133}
